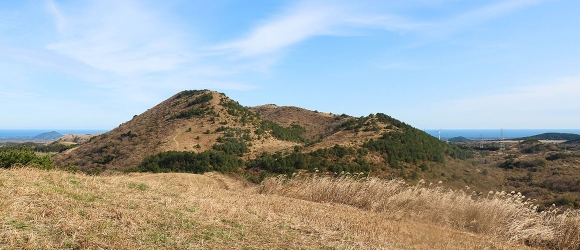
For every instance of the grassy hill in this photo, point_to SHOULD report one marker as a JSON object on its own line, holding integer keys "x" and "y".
{"x": 266, "y": 138}
{"x": 62, "y": 210}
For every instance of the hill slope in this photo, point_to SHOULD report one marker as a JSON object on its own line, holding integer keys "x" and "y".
{"x": 190, "y": 121}
{"x": 62, "y": 210}
{"x": 317, "y": 125}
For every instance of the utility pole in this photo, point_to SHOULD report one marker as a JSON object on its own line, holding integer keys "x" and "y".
{"x": 501, "y": 143}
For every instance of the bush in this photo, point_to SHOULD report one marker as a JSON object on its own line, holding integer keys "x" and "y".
{"x": 25, "y": 157}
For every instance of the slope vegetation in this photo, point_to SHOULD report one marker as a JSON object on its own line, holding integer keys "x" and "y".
{"x": 209, "y": 129}
{"x": 62, "y": 210}
{"x": 191, "y": 121}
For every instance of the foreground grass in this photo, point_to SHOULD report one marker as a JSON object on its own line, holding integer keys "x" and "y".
{"x": 56, "y": 209}
{"x": 501, "y": 215}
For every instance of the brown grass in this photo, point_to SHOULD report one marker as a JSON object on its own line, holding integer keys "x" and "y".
{"x": 60, "y": 210}
{"x": 501, "y": 215}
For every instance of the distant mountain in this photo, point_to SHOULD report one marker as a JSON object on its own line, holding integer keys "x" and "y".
{"x": 459, "y": 139}
{"x": 53, "y": 135}
{"x": 552, "y": 136}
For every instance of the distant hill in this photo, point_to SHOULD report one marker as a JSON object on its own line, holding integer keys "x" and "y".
{"x": 76, "y": 138}
{"x": 552, "y": 136}
{"x": 53, "y": 135}
{"x": 459, "y": 139}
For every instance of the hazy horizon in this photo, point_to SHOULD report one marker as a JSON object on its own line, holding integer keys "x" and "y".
{"x": 445, "y": 133}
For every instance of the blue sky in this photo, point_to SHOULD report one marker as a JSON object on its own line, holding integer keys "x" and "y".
{"x": 430, "y": 63}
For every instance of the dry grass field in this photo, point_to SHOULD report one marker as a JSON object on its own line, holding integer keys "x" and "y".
{"x": 62, "y": 210}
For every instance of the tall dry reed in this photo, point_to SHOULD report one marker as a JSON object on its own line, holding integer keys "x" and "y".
{"x": 499, "y": 214}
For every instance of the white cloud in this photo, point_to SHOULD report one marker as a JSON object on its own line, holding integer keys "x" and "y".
{"x": 297, "y": 24}
{"x": 118, "y": 36}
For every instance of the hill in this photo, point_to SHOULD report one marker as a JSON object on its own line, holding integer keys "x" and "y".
{"x": 63, "y": 210}
{"x": 459, "y": 139}
{"x": 203, "y": 124}
{"x": 75, "y": 138}
{"x": 552, "y": 136}
{"x": 53, "y": 135}
{"x": 202, "y": 131}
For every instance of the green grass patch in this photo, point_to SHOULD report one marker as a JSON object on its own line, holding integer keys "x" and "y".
{"x": 138, "y": 186}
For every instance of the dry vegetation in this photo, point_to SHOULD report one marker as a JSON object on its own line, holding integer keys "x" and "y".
{"x": 158, "y": 130}
{"x": 57, "y": 209}
{"x": 501, "y": 215}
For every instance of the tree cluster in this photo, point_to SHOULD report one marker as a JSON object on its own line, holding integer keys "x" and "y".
{"x": 231, "y": 146}
{"x": 190, "y": 162}
{"x": 36, "y": 147}
{"x": 293, "y": 133}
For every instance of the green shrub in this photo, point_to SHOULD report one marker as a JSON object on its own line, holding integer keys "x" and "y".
{"x": 25, "y": 157}
{"x": 201, "y": 99}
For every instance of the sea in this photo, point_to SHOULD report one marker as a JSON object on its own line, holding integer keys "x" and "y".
{"x": 490, "y": 134}
{"x": 24, "y": 134}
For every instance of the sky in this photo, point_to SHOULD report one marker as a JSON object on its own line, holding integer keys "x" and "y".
{"x": 454, "y": 64}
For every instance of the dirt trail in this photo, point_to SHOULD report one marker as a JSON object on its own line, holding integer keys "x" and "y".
{"x": 207, "y": 180}
{"x": 176, "y": 143}
{"x": 227, "y": 182}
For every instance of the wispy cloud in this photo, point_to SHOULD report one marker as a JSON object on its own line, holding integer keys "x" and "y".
{"x": 386, "y": 22}
{"x": 477, "y": 16}
{"x": 118, "y": 36}
{"x": 296, "y": 24}
{"x": 59, "y": 18}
